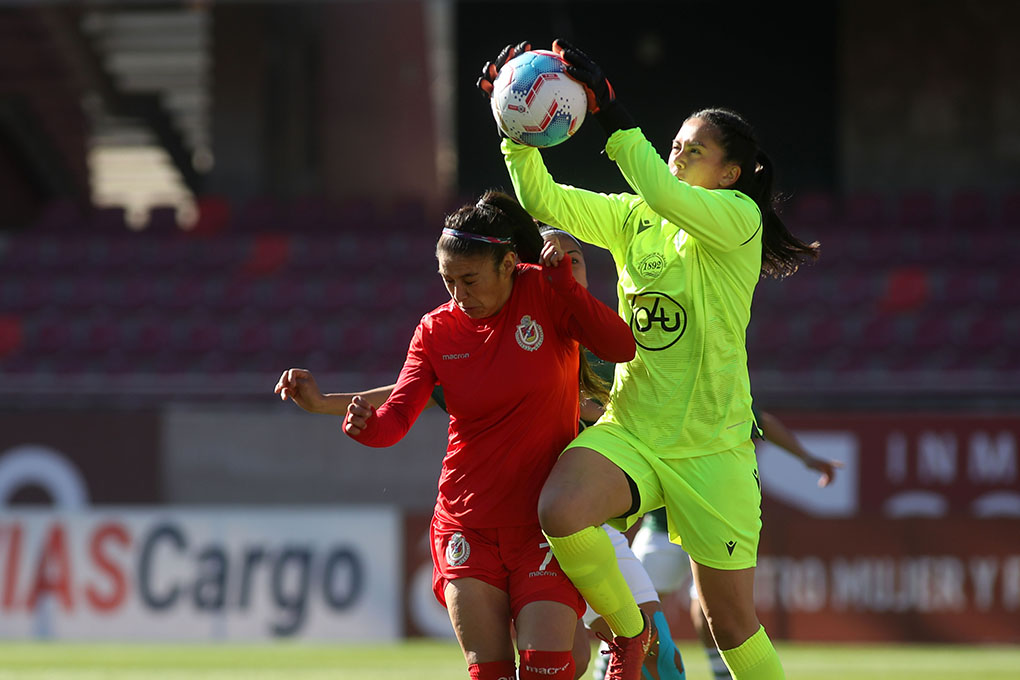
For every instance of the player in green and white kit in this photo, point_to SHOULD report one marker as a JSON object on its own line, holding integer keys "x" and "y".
{"x": 689, "y": 245}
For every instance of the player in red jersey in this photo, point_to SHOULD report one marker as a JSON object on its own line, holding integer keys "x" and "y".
{"x": 505, "y": 351}
{"x": 663, "y": 661}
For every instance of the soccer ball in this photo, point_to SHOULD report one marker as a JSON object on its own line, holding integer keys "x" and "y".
{"x": 535, "y": 102}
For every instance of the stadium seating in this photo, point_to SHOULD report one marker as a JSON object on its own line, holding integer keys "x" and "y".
{"x": 904, "y": 284}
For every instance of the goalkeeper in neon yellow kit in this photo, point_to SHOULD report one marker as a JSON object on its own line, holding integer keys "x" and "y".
{"x": 689, "y": 245}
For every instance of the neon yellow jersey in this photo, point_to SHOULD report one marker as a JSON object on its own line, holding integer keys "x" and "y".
{"x": 687, "y": 261}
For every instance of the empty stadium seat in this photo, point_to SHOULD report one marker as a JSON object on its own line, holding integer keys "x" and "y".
{"x": 966, "y": 287}
{"x": 877, "y": 334}
{"x": 61, "y": 216}
{"x": 305, "y": 337}
{"x": 968, "y": 208}
{"x": 1009, "y": 209}
{"x": 11, "y": 335}
{"x": 906, "y": 288}
{"x": 918, "y": 209}
{"x": 986, "y": 332}
{"x": 108, "y": 220}
{"x": 810, "y": 209}
{"x": 864, "y": 209}
{"x": 852, "y": 289}
{"x": 259, "y": 214}
{"x": 162, "y": 221}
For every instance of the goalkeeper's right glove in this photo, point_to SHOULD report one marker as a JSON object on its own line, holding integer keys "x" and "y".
{"x": 491, "y": 68}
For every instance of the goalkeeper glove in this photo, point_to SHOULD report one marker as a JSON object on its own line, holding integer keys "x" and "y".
{"x": 601, "y": 96}
{"x": 491, "y": 68}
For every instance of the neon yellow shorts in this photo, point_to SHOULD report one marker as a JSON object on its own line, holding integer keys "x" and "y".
{"x": 713, "y": 502}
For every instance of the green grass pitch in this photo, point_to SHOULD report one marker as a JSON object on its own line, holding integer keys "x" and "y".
{"x": 434, "y": 660}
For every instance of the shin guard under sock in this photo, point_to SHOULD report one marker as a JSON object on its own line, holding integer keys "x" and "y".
{"x": 589, "y": 561}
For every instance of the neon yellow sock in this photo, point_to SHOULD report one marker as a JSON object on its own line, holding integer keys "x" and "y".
{"x": 589, "y": 561}
{"x": 755, "y": 659}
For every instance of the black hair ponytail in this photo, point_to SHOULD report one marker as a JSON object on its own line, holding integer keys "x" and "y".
{"x": 781, "y": 252}
{"x": 527, "y": 239}
{"x": 497, "y": 215}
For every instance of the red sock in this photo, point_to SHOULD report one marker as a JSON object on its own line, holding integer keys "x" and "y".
{"x": 539, "y": 665}
{"x": 493, "y": 670}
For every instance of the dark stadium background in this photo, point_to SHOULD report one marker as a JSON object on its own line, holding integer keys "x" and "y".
{"x": 310, "y": 150}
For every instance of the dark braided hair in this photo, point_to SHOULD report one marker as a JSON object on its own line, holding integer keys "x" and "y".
{"x": 781, "y": 252}
{"x": 494, "y": 214}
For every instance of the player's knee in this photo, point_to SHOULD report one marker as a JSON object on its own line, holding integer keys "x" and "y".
{"x": 732, "y": 627}
{"x": 554, "y": 513}
{"x": 551, "y": 519}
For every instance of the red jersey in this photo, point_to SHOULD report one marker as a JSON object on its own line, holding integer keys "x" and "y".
{"x": 510, "y": 384}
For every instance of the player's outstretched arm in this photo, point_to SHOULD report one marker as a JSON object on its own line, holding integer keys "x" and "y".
{"x": 298, "y": 383}
{"x": 777, "y": 433}
{"x": 376, "y": 396}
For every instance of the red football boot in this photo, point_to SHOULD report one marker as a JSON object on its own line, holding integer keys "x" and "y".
{"x": 628, "y": 653}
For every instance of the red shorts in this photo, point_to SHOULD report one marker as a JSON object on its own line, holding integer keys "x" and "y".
{"x": 517, "y": 560}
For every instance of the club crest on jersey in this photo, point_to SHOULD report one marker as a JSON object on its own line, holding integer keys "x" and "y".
{"x": 529, "y": 334}
{"x": 457, "y": 550}
{"x": 651, "y": 266}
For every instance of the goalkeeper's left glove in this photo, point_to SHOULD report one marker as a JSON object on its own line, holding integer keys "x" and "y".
{"x": 601, "y": 96}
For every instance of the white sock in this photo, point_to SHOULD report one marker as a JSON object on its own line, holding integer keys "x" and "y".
{"x": 716, "y": 663}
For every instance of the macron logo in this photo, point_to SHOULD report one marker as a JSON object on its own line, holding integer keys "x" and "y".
{"x": 447, "y": 357}
{"x": 549, "y": 670}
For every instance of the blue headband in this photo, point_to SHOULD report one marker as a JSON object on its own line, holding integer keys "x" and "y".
{"x": 477, "y": 237}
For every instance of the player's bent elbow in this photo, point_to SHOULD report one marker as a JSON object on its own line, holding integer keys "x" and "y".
{"x": 625, "y": 351}
{"x": 629, "y": 354}
{"x": 620, "y": 358}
